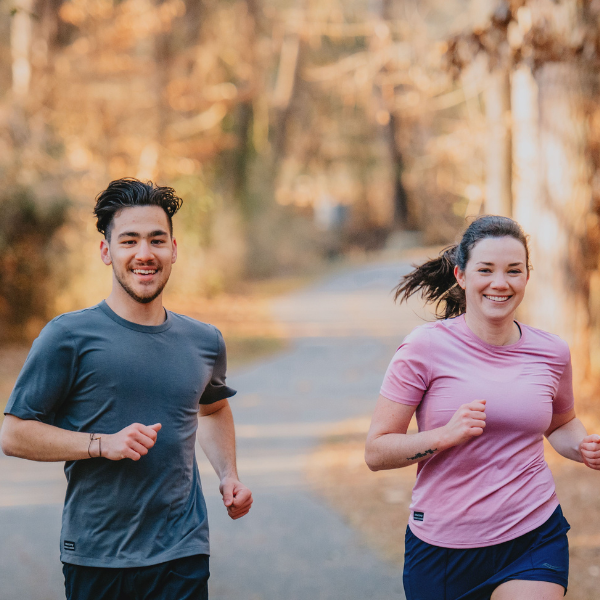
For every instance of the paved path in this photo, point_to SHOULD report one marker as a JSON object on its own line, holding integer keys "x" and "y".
{"x": 292, "y": 546}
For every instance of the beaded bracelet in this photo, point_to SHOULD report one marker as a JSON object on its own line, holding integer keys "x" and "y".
{"x": 93, "y": 438}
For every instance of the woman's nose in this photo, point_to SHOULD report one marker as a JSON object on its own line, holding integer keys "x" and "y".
{"x": 500, "y": 281}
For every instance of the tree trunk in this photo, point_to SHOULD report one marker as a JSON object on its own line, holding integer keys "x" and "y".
{"x": 553, "y": 198}
{"x": 286, "y": 88}
{"x": 20, "y": 46}
{"x": 498, "y": 195}
{"x": 401, "y": 214}
{"x": 401, "y": 208}
{"x": 525, "y": 151}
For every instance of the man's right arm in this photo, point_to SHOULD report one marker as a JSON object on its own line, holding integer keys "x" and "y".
{"x": 39, "y": 441}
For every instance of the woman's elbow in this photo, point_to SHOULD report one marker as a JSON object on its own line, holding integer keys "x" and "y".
{"x": 372, "y": 458}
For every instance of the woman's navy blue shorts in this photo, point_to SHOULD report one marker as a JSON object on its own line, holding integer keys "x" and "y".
{"x": 435, "y": 573}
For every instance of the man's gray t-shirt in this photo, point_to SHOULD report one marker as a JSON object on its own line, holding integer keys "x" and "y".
{"x": 93, "y": 371}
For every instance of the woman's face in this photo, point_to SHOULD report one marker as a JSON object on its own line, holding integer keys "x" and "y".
{"x": 494, "y": 279}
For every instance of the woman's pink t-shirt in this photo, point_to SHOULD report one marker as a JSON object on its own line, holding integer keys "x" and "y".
{"x": 497, "y": 486}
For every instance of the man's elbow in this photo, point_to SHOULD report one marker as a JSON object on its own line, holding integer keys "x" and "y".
{"x": 6, "y": 443}
{"x": 8, "y": 437}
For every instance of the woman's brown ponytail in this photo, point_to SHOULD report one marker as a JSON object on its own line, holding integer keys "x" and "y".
{"x": 436, "y": 282}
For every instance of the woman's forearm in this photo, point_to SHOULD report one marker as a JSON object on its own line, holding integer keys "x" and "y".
{"x": 387, "y": 448}
{"x": 397, "y": 450}
{"x": 567, "y": 439}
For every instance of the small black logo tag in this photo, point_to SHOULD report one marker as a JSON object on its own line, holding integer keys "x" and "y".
{"x": 417, "y": 516}
{"x": 69, "y": 545}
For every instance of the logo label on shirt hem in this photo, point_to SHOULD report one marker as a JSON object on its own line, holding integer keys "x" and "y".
{"x": 418, "y": 516}
{"x": 69, "y": 545}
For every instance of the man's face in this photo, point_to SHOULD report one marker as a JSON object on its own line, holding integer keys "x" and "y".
{"x": 141, "y": 251}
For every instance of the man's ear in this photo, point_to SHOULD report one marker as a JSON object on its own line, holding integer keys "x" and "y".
{"x": 460, "y": 277}
{"x": 174, "y": 253}
{"x": 105, "y": 252}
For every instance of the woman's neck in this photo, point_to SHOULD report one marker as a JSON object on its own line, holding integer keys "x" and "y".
{"x": 500, "y": 333}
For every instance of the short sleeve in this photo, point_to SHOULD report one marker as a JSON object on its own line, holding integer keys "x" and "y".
{"x": 564, "y": 400}
{"x": 217, "y": 389}
{"x": 408, "y": 375}
{"x": 46, "y": 377}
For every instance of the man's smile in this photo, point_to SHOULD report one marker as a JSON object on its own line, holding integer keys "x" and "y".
{"x": 145, "y": 271}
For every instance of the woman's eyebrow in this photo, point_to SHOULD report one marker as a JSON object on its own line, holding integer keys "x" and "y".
{"x": 491, "y": 264}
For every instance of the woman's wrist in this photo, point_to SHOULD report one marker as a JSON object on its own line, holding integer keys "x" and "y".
{"x": 444, "y": 439}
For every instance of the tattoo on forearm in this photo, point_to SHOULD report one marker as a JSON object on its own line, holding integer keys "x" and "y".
{"x": 422, "y": 454}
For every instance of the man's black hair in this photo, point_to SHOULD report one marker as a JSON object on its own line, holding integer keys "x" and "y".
{"x": 128, "y": 192}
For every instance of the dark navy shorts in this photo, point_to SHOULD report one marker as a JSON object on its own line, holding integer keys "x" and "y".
{"x": 180, "y": 579}
{"x": 435, "y": 573}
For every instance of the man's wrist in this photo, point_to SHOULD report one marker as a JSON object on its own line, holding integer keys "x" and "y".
{"x": 95, "y": 445}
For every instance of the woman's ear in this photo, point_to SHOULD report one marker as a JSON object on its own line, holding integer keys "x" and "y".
{"x": 460, "y": 277}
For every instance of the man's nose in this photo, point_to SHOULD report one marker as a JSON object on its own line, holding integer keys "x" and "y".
{"x": 144, "y": 251}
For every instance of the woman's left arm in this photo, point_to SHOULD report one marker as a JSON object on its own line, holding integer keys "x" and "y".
{"x": 568, "y": 437}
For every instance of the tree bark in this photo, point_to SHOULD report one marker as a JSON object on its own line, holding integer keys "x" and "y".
{"x": 498, "y": 195}
{"x": 401, "y": 214}
{"x": 20, "y": 46}
{"x": 553, "y": 198}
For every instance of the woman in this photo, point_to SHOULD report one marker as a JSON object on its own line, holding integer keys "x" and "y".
{"x": 485, "y": 521}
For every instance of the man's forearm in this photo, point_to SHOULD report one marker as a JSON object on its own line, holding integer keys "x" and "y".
{"x": 216, "y": 436}
{"x": 566, "y": 439}
{"x": 39, "y": 441}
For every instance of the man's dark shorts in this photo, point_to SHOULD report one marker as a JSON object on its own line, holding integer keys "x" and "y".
{"x": 180, "y": 579}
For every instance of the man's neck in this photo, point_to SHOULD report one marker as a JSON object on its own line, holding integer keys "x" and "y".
{"x": 129, "y": 309}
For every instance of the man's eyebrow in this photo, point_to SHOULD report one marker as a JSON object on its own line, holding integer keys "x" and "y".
{"x": 136, "y": 234}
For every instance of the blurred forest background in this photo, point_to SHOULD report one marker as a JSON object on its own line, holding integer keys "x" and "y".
{"x": 298, "y": 131}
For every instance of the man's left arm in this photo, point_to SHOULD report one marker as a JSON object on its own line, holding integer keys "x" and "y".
{"x": 216, "y": 436}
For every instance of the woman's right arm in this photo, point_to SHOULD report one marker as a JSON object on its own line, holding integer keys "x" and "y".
{"x": 389, "y": 446}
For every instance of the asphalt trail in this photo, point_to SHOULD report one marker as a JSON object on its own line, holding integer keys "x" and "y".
{"x": 292, "y": 546}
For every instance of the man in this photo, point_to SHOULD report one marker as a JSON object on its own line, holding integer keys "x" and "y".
{"x": 114, "y": 390}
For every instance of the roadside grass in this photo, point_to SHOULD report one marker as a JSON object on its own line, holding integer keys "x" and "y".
{"x": 12, "y": 358}
{"x": 244, "y": 350}
{"x": 376, "y": 504}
